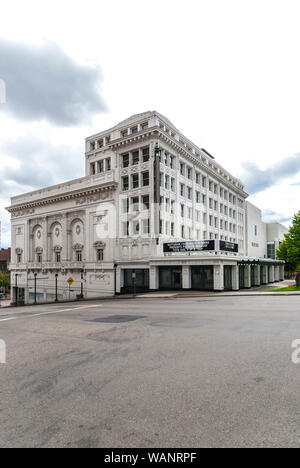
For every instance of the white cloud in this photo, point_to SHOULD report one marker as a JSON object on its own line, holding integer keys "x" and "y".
{"x": 226, "y": 73}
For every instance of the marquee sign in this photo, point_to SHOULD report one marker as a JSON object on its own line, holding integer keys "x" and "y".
{"x": 200, "y": 246}
{"x": 189, "y": 246}
{"x": 229, "y": 246}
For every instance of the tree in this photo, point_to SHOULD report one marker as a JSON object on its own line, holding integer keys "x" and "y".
{"x": 289, "y": 249}
{"x": 4, "y": 280}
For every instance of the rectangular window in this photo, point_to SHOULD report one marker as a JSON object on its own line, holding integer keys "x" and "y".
{"x": 146, "y": 202}
{"x": 146, "y": 226}
{"x": 145, "y": 179}
{"x": 134, "y": 130}
{"x": 126, "y": 228}
{"x": 135, "y": 181}
{"x": 172, "y": 229}
{"x": 189, "y": 193}
{"x": 101, "y": 166}
{"x": 125, "y": 160}
{"x": 79, "y": 256}
{"x": 172, "y": 207}
{"x": 19, "y": 258}
{"x": 173, "y": 184}
{"x": 93, "y": 169}
{"x": 100, "y": 255}
{"x": 182, "y": 190}
{"x": 126, "y": 205}
{"x": 135, "y": 204}
{"x": 146, "y": 154}
{"x": 108, "y": 164}
{"x": 125, "y": 183}
{"x": 58, "y": 257}
{"x": 136, "y": 228}
{"x": 135, "y": 158}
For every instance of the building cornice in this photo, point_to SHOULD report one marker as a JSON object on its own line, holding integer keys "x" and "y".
{"x": 82, "y": 195}
{"x": 157, "y": 132}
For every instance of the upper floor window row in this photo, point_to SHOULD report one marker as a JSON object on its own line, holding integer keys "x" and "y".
{"x": 135, "y": 181}
{"x": 100, "y": 143}
{"x": 135, "y": 129}
{"x": 135, "y": 157}
{"x": 100, "y": 166}
{"x": 168, "y": 159}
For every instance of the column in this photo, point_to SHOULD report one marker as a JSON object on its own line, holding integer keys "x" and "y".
{"x": 247, "y": 276}
{"x": 186, "y": 277}
{"x": 218, "y": 278}
{"x": 271, "y": 274}
{"x": 154, "y": 278}
{"x": 235, "y": 278}
{"x": 257, "y": 275}
{"x": 119, "y": 280}
{"x": 265, "y": 274}
{"x": 277, "y": 275}
{"x": 281, "y": 272}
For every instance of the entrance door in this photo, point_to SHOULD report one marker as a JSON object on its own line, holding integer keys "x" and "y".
{"x": 228, "y": 277}
{"x": 242, "y": 276}
{"x": 177, "y": 279}
{"x": 203, "y": 278}
{"x": 170, "y": 277}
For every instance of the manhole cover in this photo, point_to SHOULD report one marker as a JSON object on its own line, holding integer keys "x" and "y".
{"x": 118, "y": 318}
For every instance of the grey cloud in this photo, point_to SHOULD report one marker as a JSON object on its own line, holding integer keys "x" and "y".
{"x": 271, "y": 216}
{"x": 257, "y": 180}
{"x": 44, "y": 83}
{"x": 40, "y": 164}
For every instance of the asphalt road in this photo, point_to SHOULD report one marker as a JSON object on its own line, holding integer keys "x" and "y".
{"x": 198, "y": 372}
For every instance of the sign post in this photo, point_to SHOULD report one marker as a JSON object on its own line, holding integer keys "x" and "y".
{"x": 70, "y": 281}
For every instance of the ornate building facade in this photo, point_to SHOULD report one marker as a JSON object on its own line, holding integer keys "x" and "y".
{"x": 154, "y": 211}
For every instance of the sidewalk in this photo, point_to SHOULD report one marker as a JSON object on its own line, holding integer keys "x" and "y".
{"x": 256, "y": 291}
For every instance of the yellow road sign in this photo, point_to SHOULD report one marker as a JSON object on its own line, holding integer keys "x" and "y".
{"x": 70, "y": 281}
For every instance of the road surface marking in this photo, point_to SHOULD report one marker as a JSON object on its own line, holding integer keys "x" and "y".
{"x": 48, "y": 313}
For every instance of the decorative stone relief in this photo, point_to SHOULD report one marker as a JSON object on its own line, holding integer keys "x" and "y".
{"x": 17, "y": 214}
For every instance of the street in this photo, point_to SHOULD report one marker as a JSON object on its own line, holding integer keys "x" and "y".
{"x": 193, "y": 372}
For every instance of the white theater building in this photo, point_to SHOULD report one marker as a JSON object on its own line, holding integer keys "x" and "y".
{"x": 154, "y": 211}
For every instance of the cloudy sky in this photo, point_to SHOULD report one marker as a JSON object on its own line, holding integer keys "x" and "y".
{"x": 226, "y": 74}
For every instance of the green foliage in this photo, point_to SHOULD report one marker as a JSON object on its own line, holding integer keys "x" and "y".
{"x": 4, "y": 280}
{"x": 289, "y": 250}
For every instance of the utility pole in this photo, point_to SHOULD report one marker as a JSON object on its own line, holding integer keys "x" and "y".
{"x": 35, "y": 275}
{"x": 56, "y": 291}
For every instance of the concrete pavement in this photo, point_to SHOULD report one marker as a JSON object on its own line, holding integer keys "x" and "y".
{"x": 194, "y": 372}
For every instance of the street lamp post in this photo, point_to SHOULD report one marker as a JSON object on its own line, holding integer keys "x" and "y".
{"x": 56, "y": 289}
{"x": 35, "y": 276}
{"x": 81, "y": 291}
{"x": 16, "y": 288}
